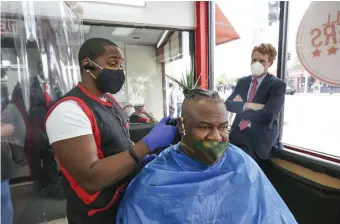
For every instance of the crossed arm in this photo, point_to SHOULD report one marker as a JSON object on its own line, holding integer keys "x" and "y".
{"x": 259, "y": 113}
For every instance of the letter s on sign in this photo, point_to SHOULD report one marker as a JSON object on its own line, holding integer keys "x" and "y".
{"x": 316, "y": 32}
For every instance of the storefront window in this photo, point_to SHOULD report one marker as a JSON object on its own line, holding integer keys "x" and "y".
{"x": 178, "y": 65}
{"x": 311, "y": 112}
{"x": 258, "y": 23}
{"x": 39, "y": 45}
{"x": 39, "y": 48}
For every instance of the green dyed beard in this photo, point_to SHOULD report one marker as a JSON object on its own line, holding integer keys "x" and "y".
{"x": 206, "y": 152}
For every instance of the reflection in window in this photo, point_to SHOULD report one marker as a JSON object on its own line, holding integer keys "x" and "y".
{"x": 311, "y": 113}
{"x": 25, "y": 56}
{"x": 274, "y": 12}
{"x": 254, "y": 26}
{"x": 33, "y": 68}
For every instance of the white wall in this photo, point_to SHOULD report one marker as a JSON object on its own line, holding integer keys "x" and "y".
{"x": 144, "y": 81}
{"x": 172, "y": 14}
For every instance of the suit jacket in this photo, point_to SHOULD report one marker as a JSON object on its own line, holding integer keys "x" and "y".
{"x": 264, "y": 130}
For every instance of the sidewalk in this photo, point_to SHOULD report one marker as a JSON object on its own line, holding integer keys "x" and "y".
{"x": 317, "y": 94}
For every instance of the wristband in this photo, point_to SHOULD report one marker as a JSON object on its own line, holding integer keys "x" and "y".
{"x": 135, "y": 157}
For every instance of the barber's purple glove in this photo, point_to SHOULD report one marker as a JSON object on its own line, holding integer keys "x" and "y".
{"x": 148, "y": 158}
{"x": 161, "y": 135}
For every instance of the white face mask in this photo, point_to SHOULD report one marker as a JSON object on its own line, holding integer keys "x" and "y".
{"x": 257, "y": 69}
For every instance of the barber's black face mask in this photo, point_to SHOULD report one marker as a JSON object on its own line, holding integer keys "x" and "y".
{"x": 110, "y": 80}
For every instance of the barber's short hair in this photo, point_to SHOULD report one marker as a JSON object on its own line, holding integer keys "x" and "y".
{"x": 267, "y": 49}
{"x": 93, "y": 48}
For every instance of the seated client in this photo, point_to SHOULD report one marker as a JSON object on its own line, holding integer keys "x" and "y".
{"x": 203, "y": 179}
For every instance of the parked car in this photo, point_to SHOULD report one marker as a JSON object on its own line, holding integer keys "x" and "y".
{"x": 290, "y": 90}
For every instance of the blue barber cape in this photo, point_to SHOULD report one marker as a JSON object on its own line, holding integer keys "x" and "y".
{"x": 173, "y": 188}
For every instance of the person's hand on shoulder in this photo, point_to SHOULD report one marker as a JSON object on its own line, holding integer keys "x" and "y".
{"x": 161, "y": 135}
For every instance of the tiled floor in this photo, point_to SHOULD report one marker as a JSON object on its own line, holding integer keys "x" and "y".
{"x": 29, "y": 208}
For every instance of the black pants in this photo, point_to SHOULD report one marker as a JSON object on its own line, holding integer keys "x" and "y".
{"x": 44, "y": 168}
{"x": 241, "y": 139}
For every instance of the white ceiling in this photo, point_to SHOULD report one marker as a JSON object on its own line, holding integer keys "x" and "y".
{"x": 147, "y": 37}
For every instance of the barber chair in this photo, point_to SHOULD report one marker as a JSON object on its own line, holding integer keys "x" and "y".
{"x": 139, "y": 130}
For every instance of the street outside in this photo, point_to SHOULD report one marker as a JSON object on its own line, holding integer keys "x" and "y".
{"x": 312, "y": 121}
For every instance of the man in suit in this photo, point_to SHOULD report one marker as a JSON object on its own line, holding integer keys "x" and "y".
{"x": 257, "y": 101}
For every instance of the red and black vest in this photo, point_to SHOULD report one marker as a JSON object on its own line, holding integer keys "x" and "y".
{"x": 110, "y": 130}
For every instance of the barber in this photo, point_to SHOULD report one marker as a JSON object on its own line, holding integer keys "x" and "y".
{"x": 90, "y": 136}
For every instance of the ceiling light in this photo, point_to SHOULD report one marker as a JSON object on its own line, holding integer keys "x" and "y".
{"x": 160, "y": 42}
{"x": 122, "y": 31}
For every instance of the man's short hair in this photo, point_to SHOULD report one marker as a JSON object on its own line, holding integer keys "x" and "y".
{"x": 93, "y": 48}
{"x": 267, "y": 49}
{"x": 195, "y": 95}
{"x": 201, "y": 93}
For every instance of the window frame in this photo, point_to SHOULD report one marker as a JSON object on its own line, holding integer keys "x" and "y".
{"x": 308, "y": 158}
{"x": 316, "y": 161}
